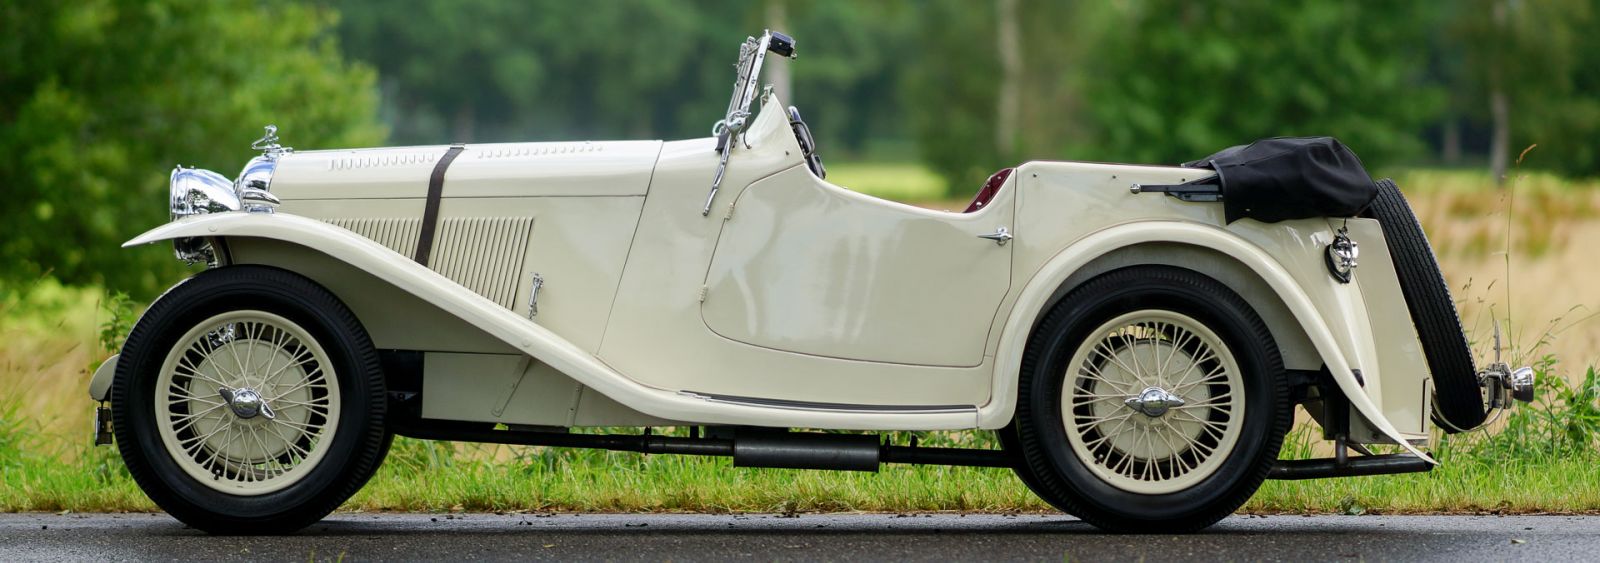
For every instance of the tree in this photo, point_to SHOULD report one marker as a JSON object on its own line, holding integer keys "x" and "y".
{"x": 1534, "y": 67}
{"x": 1189, "y": 79}
{"x": 989, "y": 86}
{"x": 490, "y": 70}
{"x": 950, "y": 88}
{"x": 100, "y": 98}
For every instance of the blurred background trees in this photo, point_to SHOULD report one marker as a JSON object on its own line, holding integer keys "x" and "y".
{"x": 101, "y": 97}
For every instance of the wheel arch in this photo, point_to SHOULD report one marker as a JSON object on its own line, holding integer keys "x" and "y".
{"x": 1288, "y": 336}
{"x": 1302, "y": 332}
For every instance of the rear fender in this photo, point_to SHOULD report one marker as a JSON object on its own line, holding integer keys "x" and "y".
{"x": 1043, "y": 287}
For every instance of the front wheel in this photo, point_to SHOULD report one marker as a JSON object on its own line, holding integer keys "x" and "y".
{"x": 249, "y": 400}
{"x": 1151, "y": 399}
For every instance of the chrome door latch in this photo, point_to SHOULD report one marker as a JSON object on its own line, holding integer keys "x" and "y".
{"x": 533, "y": 295}
{"x": 1000, "y": 236}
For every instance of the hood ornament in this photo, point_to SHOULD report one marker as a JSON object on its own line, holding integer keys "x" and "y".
{"x": 268, "y": 143}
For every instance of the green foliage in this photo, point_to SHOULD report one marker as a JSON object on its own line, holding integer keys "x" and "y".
{"x": 1563, "y": 422}
{"x": 11, "y": 437}
{"x": 121, "y": 312}
{"x": 1194, "y": 78}
{"x": 99, "y": 97}
{"x": 953, "y": 86}
{"x": 486, "y": 70}
{"x": 1545, "y": 56}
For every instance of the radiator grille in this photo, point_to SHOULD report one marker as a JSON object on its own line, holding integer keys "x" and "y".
{"x": 484, "y": 254}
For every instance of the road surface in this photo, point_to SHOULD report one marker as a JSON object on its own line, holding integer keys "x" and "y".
{"x": 937, "y": 537}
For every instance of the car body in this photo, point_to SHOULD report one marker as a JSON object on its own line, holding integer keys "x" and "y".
{"x": 508, "y": 292}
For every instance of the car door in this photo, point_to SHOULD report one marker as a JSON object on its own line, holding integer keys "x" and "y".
{"x": 808, "y": 267}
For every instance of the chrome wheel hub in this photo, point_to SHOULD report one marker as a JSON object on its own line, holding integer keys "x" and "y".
{"x": 1154, "y": 402}
{"x": 246, "y": 403}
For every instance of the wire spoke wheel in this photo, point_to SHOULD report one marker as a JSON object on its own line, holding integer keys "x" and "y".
{"x": 247, "y": 402}
{"x": 1153, "y": 401}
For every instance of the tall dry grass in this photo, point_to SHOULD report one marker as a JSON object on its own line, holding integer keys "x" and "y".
{"x": 1527, "y": 254}
{"x": 48, "y": 342}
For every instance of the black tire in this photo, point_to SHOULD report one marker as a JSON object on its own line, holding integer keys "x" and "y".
{"x": 1067, "y": 482}
{"x": 1458, "y": 403}
{"x": 358, "y": 444}
{"x": 1011, "y": 444}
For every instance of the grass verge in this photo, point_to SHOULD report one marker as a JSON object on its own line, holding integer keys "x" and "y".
{"x": 1541, "y": 459}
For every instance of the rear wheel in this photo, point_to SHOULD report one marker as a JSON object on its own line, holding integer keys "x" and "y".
{"x": 249, "y": 400}
{"x": 1151, "y": 399}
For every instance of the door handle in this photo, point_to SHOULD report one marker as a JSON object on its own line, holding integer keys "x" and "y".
{"x": 1000, "y": 236}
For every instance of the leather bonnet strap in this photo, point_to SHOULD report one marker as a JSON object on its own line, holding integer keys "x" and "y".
{"x": 430, "y": 214}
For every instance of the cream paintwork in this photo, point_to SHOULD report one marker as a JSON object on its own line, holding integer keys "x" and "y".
{"x": 100, "y": 383}
{"x": 806, "y": 266}
{"x": 1405, "y": 400}
{"x": 578, "y": 245}
{"x": 612, "y": 168}
{"x": 657, "y": 336}
{"x": 657, "y": 355}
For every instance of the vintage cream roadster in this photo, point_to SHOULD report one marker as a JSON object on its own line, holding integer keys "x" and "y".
{"x": 1137, "y": 336}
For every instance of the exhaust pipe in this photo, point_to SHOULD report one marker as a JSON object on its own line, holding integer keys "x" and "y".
{"x": 805, "y": 450}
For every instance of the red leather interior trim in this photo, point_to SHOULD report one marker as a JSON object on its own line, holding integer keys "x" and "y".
{"x": 990, "y": 188}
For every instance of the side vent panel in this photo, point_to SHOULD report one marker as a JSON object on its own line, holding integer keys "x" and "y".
{"x": 484, "y": 254}
{"x": 399, "y": 234}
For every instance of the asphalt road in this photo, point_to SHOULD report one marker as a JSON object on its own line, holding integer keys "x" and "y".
{"x": 939, "y": 537}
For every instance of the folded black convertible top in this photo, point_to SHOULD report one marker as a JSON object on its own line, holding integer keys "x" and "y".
{"x": 1285, "y": 178}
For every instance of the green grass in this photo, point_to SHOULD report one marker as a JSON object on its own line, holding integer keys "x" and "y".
{"x": 899, "y": 181}
{"x": 439, "y": 477}
{"x": 1542, "y": 459}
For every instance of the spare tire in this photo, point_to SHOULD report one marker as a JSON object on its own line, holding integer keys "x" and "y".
{"x": 1458, "y": 401}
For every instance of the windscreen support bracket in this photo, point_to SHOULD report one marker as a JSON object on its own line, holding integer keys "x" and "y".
{"x": 1198, "y": 192}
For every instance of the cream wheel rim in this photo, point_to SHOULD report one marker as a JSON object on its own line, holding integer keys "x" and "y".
{"x": 247, "y": 402}
{"x": 1153, "y": 402}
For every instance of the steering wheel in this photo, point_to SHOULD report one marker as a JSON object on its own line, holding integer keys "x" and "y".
{"x": 808, "y": 144}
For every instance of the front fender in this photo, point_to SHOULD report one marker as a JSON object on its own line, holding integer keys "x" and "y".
{"x": 402, "y": 272}
{"x": 1035, "y": 296}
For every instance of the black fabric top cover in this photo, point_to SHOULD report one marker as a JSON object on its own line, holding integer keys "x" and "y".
{"x": 1285, "y": 178}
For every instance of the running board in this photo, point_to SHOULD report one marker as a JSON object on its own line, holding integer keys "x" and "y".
{"x": 749, "y": 447}
{"x": 1358, "y": 466}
